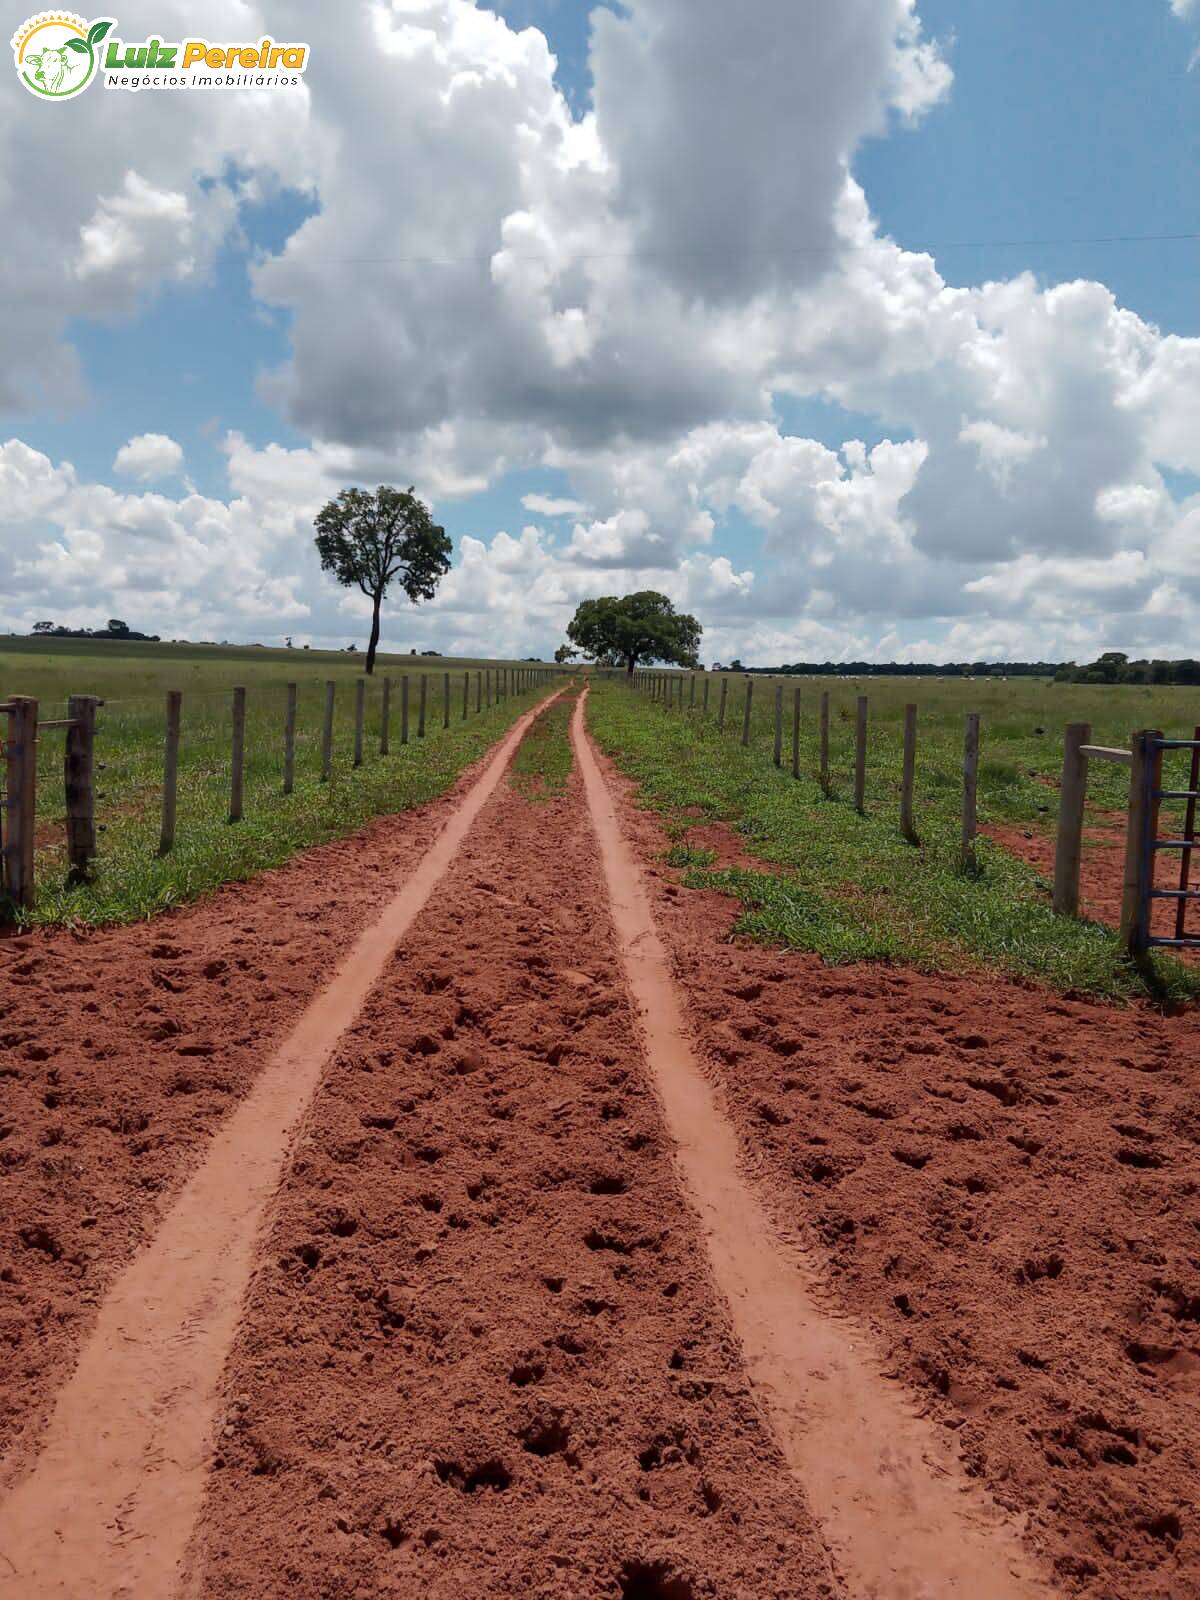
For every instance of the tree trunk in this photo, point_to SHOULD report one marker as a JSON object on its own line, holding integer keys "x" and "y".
{"x": 376, "y": 601}
{"x": 630, "y": 664}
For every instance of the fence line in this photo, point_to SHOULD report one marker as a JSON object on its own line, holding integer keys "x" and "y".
{"x": 666, "y": 690}
{"x": 18, "y": 753}
{"x": 1144, "y": 758}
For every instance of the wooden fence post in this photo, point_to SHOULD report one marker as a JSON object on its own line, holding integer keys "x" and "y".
{"x": 692, "y": 694}
{"x": 466, "y": 694}
{"x": 825, "y": 741}
{"x": 445, "y": 699}
{"x": 487, "y": 674}
{"x": 1143, "y": 776}
{"x": 166, "y": 839}
{"x": 327, "y": 732}
{"x": 746, "y": 711}
{"x": 289, "y": 738}
{"x": 360, "y": 707}
{"x": 779, "y": 725}
{"x": 423, "y": 706}
{"x": 860, "y": 758}
{"x": 970, "y": 789}
{"x": 724, "y": 697}
{"x": 1072, "y": 794}
{"x": 796, "y": 734}
{"x": 22, "y": 798}
{"x": 404, "y": 709}
{"x": 385, "y": 718}
{"x": 704, "y": 707}
{"x": 237, "y": 771}
{"x": 78, "y": 773}
{"x": 478, "y": 692}
{"x": 907, "y": 826}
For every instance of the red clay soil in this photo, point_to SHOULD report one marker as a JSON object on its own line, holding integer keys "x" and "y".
{"x": 482, "y": 1355}
{"x": 122, "y": 1050}
{"x": 1005, "y": 1187}
{"x": 1102, "y": 872}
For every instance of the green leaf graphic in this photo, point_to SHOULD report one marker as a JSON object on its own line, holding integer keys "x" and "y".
{"x": 77, "y": 44}
{"x": 97, "y": 31}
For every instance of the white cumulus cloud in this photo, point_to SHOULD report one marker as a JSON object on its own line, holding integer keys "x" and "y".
{"x": 149, "y": 456}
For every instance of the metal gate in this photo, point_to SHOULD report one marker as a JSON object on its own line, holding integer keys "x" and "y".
{"x": 1153, "y": 846}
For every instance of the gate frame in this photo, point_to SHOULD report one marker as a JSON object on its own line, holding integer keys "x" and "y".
{"x": 1145, "y": 844}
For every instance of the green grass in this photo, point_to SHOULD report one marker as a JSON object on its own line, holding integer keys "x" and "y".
{"x": 850, "y": 887}
{"x": 131, "y": 879}
{"x": 683, "y": 855}
{"x": 541, "y": 767}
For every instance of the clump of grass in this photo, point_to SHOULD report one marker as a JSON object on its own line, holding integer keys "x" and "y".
{"x": 542, "y": 765}
{"x": 849, "y": 887}
{"x": 682, "y": 855}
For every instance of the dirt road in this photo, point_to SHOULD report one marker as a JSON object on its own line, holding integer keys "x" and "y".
{"x": 535, "y": 1299}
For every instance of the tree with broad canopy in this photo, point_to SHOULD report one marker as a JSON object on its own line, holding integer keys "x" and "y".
{"x": 368, "y": 540}
{"x": 635, "y": 628}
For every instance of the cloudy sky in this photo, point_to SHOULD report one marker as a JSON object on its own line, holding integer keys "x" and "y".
{"x": 858, "y": 331}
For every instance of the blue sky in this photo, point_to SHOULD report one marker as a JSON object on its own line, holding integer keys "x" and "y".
{"x": 1065, "y": 124}
{"x": 1075, "y": 122}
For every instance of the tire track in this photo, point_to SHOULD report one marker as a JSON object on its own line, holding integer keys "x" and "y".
{"x": 108, "y": 1506}
{"x": 899, "y": 1514}
{"x": 482, "y": 1355}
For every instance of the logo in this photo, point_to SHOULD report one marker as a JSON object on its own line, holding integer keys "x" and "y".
{"x": 57, "y": 53}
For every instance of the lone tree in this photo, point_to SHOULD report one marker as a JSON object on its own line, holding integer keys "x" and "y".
{"x": 368, "y": 540}
{"x": 635, "y": 628}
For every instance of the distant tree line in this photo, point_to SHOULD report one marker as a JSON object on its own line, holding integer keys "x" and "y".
{"x": 116, "y": 629}
{"x": 1115, "y": 667}
{"x": 901, "y": 669}
{"x": 1112, "y": 667}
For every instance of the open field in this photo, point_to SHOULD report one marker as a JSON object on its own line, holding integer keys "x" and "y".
{"x": 1022, "y": 722}
{"x": 131, "y": 879}
{"x": 463, "y": 1209}
{"x": 852, "y": 888}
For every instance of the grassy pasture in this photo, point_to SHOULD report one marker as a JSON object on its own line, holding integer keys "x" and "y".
{"x": 541, "y": 768}
{"x": 850, "y": 887}
{"x": 131, "y": 880}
